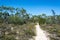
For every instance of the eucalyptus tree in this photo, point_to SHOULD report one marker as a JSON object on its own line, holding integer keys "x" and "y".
{"x": 43, "y": 15}
{"x": 53, "y": 19}
{"x": 5, "y": 16}
{"x": 58, "y": 19}
{"x": 24, "y": 15}
{"x": 1, "y": 19}
{"x": 6, "y": 12}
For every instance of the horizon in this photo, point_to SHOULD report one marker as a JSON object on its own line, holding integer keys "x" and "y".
{"x": 35, "y": 7}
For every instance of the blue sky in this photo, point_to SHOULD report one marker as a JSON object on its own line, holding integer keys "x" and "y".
{"x": 35, "y": 7}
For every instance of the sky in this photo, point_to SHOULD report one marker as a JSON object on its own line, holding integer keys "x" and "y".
{"x": 35, "y": 7}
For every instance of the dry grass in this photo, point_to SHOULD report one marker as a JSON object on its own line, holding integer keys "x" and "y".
{"x": 24, "y": 32}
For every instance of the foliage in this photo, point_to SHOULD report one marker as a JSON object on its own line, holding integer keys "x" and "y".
{"x": 20, "y": 20}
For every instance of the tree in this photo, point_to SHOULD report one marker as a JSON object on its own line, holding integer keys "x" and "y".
{"x": 58, "y": 19}
{"x": 5, "y": 16}
{"x": 53, "y": 19}
{"x": 43, "y": 15}
{"x": 24, "y": 15}
{"x": 1, "y": 19}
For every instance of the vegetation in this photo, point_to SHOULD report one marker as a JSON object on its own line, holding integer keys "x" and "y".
{"x": 11, "y": 31}
{"x": 17, "y": 23}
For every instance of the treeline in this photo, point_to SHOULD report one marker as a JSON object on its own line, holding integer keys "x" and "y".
{"x": 13, "y": 15}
